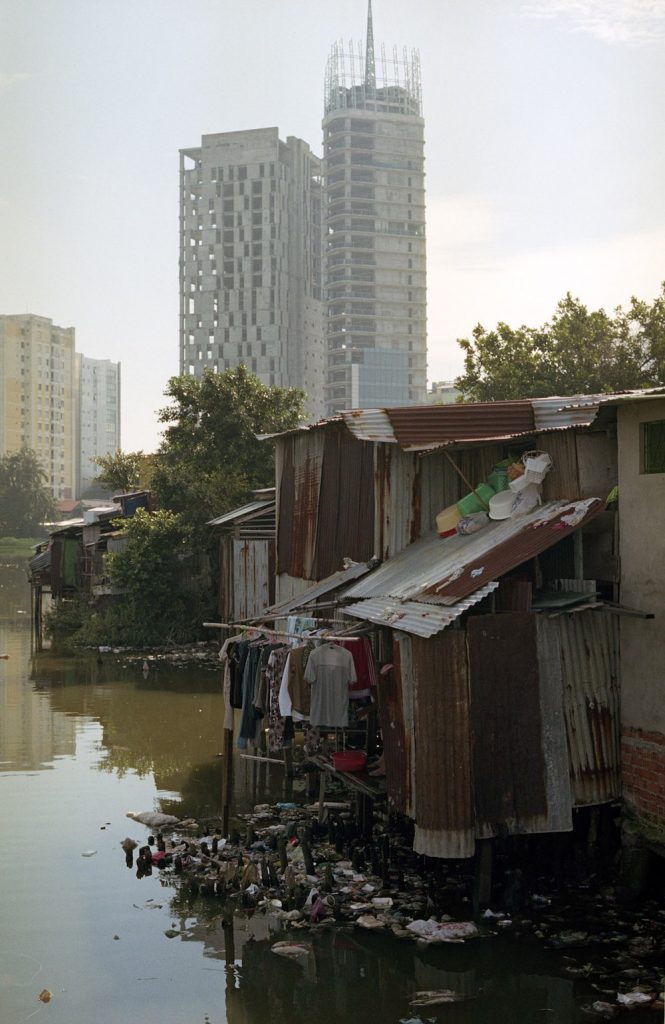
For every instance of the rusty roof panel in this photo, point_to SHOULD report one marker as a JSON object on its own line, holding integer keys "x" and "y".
{"x": 370, "y": 425}
{"x": 444, "y": 804}
{"x": 591, "y": 704}
{"x": 509, "y": 771}
{"x": 441, "y": 571}
{"x": 538, "y": 534}
{"x": 422, "y": 426}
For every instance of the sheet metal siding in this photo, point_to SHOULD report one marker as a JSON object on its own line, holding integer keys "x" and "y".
{"x": 397, "y": 500}
{"x": 445, "y": 814}
{"x": 508, "y": 768}
{"x": 563, "y": 480}
{"x": 391, "y": 717}
{"x": 299, "y": 487}
{"x": 589, "y": 645}
{"x": 251, "y": 572}
{"x": 554, "y": 742}
{"x": 285, "y": 505}
{"x": 408, "y": 710}
{"x": 424, "y": 425}
{"x": 346, "y": 503}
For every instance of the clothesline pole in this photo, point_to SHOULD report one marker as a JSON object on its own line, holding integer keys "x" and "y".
{"x": 227, "y": 780}
{"x": 276, "y": 632}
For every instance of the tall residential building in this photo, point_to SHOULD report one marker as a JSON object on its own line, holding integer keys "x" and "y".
{"x": 374, "y": 229}
{"x": 250, "y": 259}
{"x": 37, "y": 396}
{"x": 98, "y": 410}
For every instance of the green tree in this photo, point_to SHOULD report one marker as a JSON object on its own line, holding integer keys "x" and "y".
{"x": 577, "y": 352}
{"x": 26, "y": 502}
{"x": 153, "y": 574}
{"x": 123, "y": 471}
{"x": 210, "y": 459}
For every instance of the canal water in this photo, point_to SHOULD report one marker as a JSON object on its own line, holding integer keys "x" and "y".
{"x": 83, "y": 741}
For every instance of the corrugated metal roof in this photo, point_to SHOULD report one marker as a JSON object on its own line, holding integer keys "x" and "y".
{"x": 561, "y": 413}
{"x": 432, "y": 425}
{"x": 443, "y": 571}
{"x": 242, "y": 513}
{"x": 320, "y": 589}
{"x": 415, "y": 617}
{"x": 370, "y": 425}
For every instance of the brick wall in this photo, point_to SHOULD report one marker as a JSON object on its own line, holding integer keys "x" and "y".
{"x": 643, "y": 771}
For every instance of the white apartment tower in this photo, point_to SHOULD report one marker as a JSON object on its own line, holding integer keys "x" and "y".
{"x": 37, "y": 396}
{"x": 374, "y": 229}
{"x": 250, "y": 260}
{"x": 98, "y": 393}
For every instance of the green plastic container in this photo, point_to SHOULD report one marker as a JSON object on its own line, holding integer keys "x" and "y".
{"x": 498, "y": 479}
{"x": 471, "y": 503}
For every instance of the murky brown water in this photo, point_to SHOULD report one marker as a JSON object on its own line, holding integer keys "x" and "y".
{"x": 81, "y": 743}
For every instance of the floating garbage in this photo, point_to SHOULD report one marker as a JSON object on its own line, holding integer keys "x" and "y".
{"x": 45, "y": 996}
{"x": 432, "y": 997}
{"x": 635, "y": 998}
{"x": 292, "y": 949}
{"x": 443, "y": 931}
{"x": 88, "y": 853}
{"x": 152, "y": 818}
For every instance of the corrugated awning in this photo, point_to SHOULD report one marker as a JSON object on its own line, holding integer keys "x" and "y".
{"x": 434, "y": 570}
{"x": 245, "y": 512}
{"x": 415, "y": 617}
{"x": 320, "y": 589}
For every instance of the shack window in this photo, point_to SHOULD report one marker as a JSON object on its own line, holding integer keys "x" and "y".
{"x": 653, "y": 447}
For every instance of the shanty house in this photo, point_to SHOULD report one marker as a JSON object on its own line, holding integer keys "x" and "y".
{"x": 500, "y": 708}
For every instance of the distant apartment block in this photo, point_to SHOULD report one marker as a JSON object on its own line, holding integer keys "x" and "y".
{"x": 250, "y": 260}
{"x": 98, "y": 409}
{"x": 37, "y": 396}
{"x": 443, "y": 392}
{"x": 374, "y": 229}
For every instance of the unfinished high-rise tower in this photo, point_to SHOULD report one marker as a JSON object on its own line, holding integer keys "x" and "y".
{"x": 374, "y": 228}
{"x": 250, "y": 259}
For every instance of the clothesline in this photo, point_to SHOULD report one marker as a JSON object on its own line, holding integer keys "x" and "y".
{"x": 276, "y": 632}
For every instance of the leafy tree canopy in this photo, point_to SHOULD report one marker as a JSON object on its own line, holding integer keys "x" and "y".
{"x": 577, "y": 352}
{"x": 25, "y": 500}
{"x": 210, "y": 459}
{"x": 123, "y": 471}
{"x": 151, "y": 572}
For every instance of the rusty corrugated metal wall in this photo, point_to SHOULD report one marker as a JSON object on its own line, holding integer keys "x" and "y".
{"x": 444, "y": 810}
{"x": 508, "y": 768}
{"x": 325, "y": 501}
{"x": 396, "y": 746}
{"x": 589, "y": 645}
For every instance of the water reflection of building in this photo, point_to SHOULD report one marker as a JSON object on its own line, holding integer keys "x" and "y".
{"x": 31, "y": 733}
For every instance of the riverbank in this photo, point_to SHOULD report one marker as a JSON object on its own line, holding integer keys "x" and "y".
{"x": 279, "y": 862}
{"x": 14, "y": 550}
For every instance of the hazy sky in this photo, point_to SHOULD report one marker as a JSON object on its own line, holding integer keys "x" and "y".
{"x": 545, "y": 145}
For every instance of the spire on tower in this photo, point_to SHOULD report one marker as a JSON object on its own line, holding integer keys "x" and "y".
{"x": 370, "y": 67}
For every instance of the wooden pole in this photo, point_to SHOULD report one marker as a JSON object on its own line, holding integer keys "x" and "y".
{"x": 227, "y": 780}
{"x": 469, "y": 485}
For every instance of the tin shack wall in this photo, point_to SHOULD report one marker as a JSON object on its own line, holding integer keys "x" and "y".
{"x": 444, "y": 815}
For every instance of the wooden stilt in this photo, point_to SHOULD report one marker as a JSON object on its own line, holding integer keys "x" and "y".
{"x": 227, "y": 780}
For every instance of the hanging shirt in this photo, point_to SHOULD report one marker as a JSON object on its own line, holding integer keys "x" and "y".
{"x": 330, "y": 670}
{"x": 363, "y": 660}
